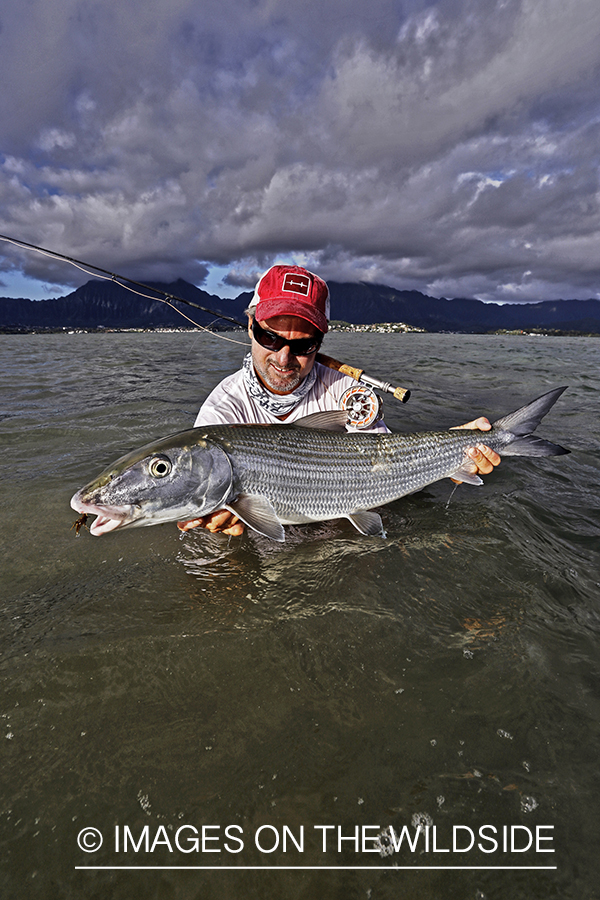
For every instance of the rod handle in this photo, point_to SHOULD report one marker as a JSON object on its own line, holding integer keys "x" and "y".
{"x": 339, "y": 366}
{"x": 402, "y": 394}
{"x": 399, "y": 393}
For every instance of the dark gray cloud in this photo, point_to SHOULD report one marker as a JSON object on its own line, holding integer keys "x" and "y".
{"x": 449, "y": 146}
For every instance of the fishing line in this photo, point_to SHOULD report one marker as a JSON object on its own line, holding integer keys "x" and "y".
{"x": 360, "y": 402}
{"x": 452, "y": 493}
{"x": 106, "y": 275}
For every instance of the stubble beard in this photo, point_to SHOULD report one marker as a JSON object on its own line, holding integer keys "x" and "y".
{"x": 280, "y": 382}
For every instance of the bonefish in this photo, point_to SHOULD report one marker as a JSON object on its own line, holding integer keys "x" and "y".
{"x": 312, "y": 470}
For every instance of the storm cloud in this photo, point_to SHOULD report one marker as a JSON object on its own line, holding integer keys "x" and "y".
{"x": 446, "y": 146}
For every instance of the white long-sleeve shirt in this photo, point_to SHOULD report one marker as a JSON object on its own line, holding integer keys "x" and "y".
{"x": 230, "y": 403}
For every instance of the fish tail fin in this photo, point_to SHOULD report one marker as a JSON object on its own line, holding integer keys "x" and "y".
{"x": 524, "y": 421}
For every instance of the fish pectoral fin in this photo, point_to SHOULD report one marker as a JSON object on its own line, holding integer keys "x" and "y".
{"x": 367, "y": 522}
{"x": 463, "y": 473}
{"x": 332, "y": 420}
{"x": 257, "y": 512}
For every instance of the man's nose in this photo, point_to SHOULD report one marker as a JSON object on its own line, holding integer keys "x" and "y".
{"x": 283, "y": 356}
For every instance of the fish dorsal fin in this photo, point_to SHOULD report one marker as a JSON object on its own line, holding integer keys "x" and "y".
{"x": 463, "y": 473}
{"x": 332, "y": 420}
{"x": 256, "y": 511}
{"x": 367, "y": 522}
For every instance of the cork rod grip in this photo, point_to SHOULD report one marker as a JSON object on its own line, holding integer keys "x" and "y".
{"x": 339, "y": 366}
{"x": 401, "y": 394}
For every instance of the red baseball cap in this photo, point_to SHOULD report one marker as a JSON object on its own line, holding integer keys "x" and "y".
{"x": 291, "y": 291}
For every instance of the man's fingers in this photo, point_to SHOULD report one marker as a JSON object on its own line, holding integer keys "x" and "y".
{"x": 224, "y": 522}
{"x": 484, "y": 458}
{"x": 221, "y": 521}
{"x": 480, "y": 424}
{"x": 191, "y": 523}
{"x": 236, "y": 529}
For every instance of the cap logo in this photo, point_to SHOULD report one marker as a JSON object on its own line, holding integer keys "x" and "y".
{"x": 296, "y": 284}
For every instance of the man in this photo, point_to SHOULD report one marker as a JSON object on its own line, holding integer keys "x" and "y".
{"x": 281, "y": 380}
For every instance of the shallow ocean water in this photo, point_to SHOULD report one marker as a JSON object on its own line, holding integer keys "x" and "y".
{"x": 447, "y": 675}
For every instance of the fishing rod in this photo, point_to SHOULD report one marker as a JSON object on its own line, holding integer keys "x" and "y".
{"x": 363, "y": 405}
{"x": 400, "y": 393}
{"x": 117, "y": 279}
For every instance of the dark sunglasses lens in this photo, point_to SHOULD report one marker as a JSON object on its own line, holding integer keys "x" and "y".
{"x": 266, "y": 339}
{"x": 270, "y": 341}
{"x": 304, "y": 347}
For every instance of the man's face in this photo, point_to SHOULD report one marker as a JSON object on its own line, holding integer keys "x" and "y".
{"x": 282, "y": 371}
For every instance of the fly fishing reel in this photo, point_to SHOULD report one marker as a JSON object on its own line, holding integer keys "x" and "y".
{"x": 363, "y": 406}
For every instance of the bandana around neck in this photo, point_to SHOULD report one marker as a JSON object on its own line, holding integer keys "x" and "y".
{"x": 277, "y": 404}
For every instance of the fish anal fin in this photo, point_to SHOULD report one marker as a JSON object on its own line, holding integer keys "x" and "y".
{"x": 463, "y": 473}
{"x": 367, "y": 522}
{"x": 257, "y": 512}
{"x": 331, "y": 420}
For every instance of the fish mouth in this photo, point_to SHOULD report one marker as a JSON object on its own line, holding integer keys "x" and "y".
{"x": 108, "y": 518}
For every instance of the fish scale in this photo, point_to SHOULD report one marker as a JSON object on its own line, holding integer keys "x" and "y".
{"x": 311, "y": 474}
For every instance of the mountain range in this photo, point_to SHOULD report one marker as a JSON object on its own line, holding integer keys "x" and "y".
{"x": 105, "y": 304}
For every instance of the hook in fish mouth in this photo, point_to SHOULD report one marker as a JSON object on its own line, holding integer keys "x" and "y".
{"x": 79, "y": 523}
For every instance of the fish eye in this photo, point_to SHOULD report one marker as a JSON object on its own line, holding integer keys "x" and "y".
{"x": 160, "y": 466}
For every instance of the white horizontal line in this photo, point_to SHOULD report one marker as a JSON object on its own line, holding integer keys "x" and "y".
{"x": 325, "y": 868}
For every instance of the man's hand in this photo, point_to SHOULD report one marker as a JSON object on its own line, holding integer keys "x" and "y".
{"x": 484, "y": 458}
{"x": 221, "y": 521}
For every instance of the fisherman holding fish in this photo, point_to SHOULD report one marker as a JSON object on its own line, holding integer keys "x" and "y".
{"x": 281, "y": 380}
{"x": 231, "y": 471}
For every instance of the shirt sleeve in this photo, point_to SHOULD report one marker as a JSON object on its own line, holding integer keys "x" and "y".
{"x": 218, "y": 413}
{"x": 221, "y": 407}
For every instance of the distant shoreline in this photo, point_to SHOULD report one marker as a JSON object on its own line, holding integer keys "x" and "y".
{"x": 335, "y": 328}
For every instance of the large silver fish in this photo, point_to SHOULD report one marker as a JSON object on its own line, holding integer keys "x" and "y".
{"x": 275, "y": 475}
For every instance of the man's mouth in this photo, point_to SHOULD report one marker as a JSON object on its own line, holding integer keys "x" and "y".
{"x": 284, "y": 370}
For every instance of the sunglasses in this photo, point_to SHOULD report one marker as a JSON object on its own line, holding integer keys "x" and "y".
{"x": 298, "y": 347}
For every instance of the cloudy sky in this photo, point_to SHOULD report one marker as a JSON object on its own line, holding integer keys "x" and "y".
{"x": 451, "y": 146}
